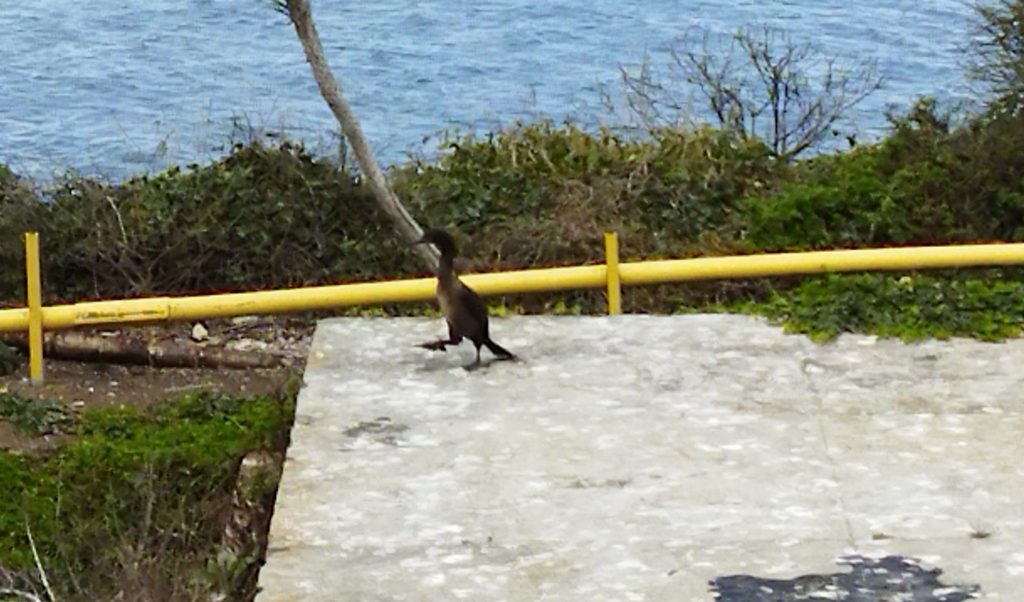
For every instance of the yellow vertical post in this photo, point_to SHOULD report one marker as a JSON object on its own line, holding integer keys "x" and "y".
{"x": 611, "y": 262}
{"x": 35, "y": 308}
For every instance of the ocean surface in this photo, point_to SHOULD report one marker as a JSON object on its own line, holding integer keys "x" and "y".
{"x": 114, "y": 87}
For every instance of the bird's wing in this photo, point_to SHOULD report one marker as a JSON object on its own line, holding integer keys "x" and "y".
{"x": 477, "y": 310}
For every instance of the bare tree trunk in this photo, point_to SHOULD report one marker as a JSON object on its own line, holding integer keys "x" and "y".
{"x": 299, "y": 13}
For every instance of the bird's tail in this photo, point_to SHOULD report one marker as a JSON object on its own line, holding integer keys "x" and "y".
{"x": 499, "y": 351}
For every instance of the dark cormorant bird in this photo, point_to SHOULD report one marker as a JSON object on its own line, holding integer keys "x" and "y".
{"x": 463, "y": 309}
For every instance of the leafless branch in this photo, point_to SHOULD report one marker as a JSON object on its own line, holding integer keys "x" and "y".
{"x": 17, "y": 593}
{"x": 300, "y": 14}
{"x": 997, "y": 57}
{"x": 39, "y": 563}
{"x": 758, "y": 83}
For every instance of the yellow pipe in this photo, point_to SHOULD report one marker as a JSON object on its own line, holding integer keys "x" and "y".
{"x": 524, "y": 281}
{"x": 538, "y": 280}
{"x": 611, "y": 262}
{"x": 301, "y": 299}
{"x": 34, "y": 289}
{"x": 816, "y": 262}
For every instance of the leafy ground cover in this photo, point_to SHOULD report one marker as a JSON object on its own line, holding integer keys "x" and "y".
{"x": 137, "y": 503}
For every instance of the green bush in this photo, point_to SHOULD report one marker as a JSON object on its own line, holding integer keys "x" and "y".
{"x": 540, "y": 194}
{"x": 927, "y": 183}
{"x": 261, "y": 217}
{"x": 841, "y": 201}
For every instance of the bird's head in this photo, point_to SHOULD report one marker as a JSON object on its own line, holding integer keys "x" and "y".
{"x": 440, "y": 239}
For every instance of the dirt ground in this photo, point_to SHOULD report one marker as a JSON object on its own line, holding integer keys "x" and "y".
{"x": 81, "y": 385}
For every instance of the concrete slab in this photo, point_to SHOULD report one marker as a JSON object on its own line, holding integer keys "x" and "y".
{"x": 639, "y": 457}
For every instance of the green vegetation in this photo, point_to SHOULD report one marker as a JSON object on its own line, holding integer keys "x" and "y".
{"x": 540, "y": 194}
{"x": 926, "y": 183}
{"x": 9, "y": 358}
{"x": 536, "y": 195}
{"x": 35, "y": 416}
{"x": 135, "y": 506}
{"x": 907, "y": 307}
{"x": 261, "y": 217}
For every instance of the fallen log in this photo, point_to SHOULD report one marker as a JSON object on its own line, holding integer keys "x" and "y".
{"x": 121, "y": 348}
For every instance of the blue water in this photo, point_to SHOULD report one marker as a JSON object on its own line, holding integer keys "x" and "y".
{"x": 114, "y": 87}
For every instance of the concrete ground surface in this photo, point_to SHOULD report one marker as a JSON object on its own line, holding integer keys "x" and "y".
{"x": 639, "y": 457}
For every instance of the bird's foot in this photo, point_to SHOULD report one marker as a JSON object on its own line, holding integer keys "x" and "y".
{"x": 435, "y": 345}
{"x": 473, "y": 367}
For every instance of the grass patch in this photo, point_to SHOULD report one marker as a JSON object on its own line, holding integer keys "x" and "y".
{"x": 135, "y": 507}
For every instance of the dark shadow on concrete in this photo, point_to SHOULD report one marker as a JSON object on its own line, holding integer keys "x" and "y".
{"x": 871, "y": 580}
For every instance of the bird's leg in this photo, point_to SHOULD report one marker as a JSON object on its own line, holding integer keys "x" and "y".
{"x": 440, "y": 344}
{"x": 476, "y": 362}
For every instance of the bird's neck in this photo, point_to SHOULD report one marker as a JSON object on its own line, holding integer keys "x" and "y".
{"x": 446, "y": 269}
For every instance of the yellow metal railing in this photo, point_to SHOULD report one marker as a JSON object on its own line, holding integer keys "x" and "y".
{"x": 34, "y": 292}
{"x": 611, "y": 275}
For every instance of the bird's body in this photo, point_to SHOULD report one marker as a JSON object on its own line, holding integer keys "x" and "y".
{"x": 463, "y": 309}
